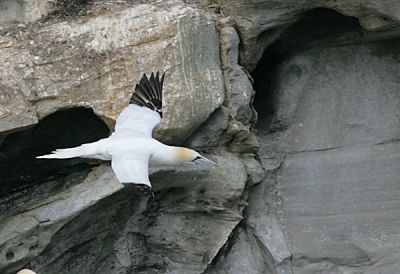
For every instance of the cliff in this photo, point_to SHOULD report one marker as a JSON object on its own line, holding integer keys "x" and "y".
{"x": 297, "y": 102}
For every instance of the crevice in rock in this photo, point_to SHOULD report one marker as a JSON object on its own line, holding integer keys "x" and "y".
{"x": 265, "y": 253}
{"x": 263, "y": 75}
{"x": 71, "y": 8}
{"x": 389, "y": 141}
{"x": 314, "y": 150}
{"x": 225, "y": 249}
{"x": 20, "y": 170}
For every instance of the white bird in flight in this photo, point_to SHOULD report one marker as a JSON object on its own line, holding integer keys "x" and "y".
{"x": 131, "y": 148}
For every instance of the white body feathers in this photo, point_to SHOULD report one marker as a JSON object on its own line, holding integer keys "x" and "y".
{"x": 130, "y": 148}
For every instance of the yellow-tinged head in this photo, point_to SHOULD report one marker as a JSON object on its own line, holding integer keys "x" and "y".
{"x": 186, "y": 155}
{"x": 26, "y": 271}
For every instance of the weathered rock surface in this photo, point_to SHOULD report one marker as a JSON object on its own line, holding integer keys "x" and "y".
{"x": 239, "y": 89}
{"x": 181, "y": 231}
{"x": 14, "y": 12}
{"x": 25, "y": 235}
{"x": 313, "y": 189}
{"x": 94, "y": 62}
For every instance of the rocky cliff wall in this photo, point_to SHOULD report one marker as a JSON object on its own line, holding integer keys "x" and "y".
{"x": 298, "y": 103}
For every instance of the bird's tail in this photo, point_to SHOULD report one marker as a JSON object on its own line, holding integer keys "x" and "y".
{"x": 65, "y": 153}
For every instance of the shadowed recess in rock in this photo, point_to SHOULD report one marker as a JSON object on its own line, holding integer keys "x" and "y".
{"x": 316, "y": 28}
{"x": 263, "y": 76}
{"x": 71, "y": 8}
{"x": 19, "y": 169}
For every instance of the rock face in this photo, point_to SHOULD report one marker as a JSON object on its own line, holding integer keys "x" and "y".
{"x": 96, "y": 61}
{"x": 339, "y": 178}
{"x": 308, "y": 184}
{"x": 180, "y": 231}
{"x": 260, "y": 22}
{"x": 22, "y": 12}
{"x": 329, "y": 123}
{"x": 28, "y": 233}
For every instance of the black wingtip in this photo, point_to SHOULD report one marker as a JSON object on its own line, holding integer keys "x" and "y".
{"x": 148, "y": 92}
{"x": 142, "y": 188}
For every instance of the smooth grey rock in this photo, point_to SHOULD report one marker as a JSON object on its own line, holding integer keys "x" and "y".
{"x": 388, "y": 264}
{"x": 331, "y": 152}
{"x": 340, "y": 154}
{"x": 258, "y": 22}
{"x": 341, "y": 204}
{"x": 354, "y": 90}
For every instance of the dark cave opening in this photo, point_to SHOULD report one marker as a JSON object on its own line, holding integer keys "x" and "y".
{"x": 319, "y": 27}
{"x": 263, "y": 75}
{"x": 19, "y": 169}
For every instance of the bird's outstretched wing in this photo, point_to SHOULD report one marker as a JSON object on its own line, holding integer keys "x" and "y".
{"x": 133, "y": 173}
{"x": 148, "y": 93}
{"x": 131, "y": 169}
{"x": 145, "y": 109}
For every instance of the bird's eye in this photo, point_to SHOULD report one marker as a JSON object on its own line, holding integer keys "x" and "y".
{"x": 195, "y": 159}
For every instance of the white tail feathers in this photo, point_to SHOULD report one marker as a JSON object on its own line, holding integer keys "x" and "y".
{"x": 96, "y": 150}
{"x": 65, "y": 153}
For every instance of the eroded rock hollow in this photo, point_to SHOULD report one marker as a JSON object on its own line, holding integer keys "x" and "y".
{"x": 297, "y": 102}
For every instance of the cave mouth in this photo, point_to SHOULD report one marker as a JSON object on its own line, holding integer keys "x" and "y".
{"x": 19, "y": 169}
{"x": 320, "y": 27}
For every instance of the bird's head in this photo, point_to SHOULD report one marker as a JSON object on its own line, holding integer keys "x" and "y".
{"x": 186, "y": 155}
{"x": 26, "y": 271}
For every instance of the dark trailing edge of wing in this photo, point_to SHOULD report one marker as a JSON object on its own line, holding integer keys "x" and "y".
{"x": 148, "y": 92}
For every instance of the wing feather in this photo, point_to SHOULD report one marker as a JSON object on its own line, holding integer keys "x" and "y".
{"x": 145, "y": 109}
{"x": 149, "y": 92}
{"x": 132, "y": 170}
{"x": 137, "y": 121}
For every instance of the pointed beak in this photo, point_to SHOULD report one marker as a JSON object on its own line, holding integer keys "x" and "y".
{"x": 204, "y": 160}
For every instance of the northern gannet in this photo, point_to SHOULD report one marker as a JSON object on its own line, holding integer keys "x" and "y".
{"x": 131, "y": 148}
